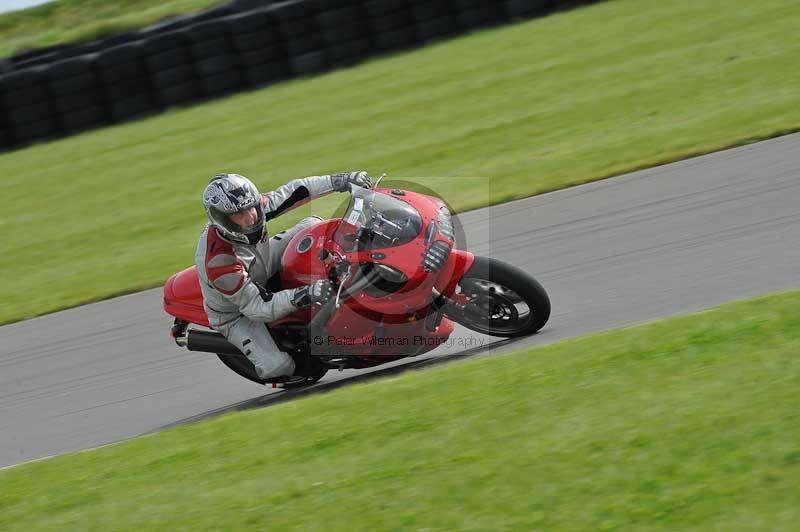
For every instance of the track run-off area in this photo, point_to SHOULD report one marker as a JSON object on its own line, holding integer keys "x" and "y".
{"x": 658, "y": 242}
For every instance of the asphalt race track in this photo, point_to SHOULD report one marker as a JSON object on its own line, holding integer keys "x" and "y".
{"x": 659, "y": 242}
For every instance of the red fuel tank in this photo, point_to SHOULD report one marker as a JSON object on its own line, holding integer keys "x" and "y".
{"x": 302, "y": 262}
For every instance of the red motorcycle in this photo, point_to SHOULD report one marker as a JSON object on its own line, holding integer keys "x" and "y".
{"x": 401, "y": 284}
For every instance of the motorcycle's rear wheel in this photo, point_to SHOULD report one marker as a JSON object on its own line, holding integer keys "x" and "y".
{"x": 244, "y": 368}
{"x": 503, "y": 300}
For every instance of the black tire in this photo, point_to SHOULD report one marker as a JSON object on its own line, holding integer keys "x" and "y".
{"x": 84, "y": 119}
{"x": 291, "y": 10}
{"x": 169, "y": 58}
{"x": 304, "y": 44}
{"x": 165, "y": 40}
{"x": 22, "y": 79}
{"x": 336, "y": 18}
{"x": 212, "y": 48}
{"x": 350, "y": 50}
{"x": 124, "y": 53}
{"x": 527, "y": 8}
{"x": 127, "y": 89}
{"x": 422, "y": 11}
{"x": 206, "y": 31}
{"x": 267, "y": 72}
{"x": 397, "y": 39}
{"x": 118, "y": 73}
{"x": 73, "y": 84}
{"x": 495, "y": 286}
{"x": 264, "y": 55}
{"x": 244, "y": 368}
{"x": 30, "y": 95}
{"x": 246, "y": 7}
{"x": 440, "y": 27}
{"x": 391, "y": 21}
{"x": 134, "y": 106}
{"x": 378, "y": 7}
{"x": 118, "y": 40}
{"x": 215, "y": 64}
{"x": 78, "y": 100}
{"x": 309, "y": 63}
{"x": 31, "y": 131}
{"x": 351, "y": 31}
{"x": 6, "y": 140}
{"x": 222, "y": 83}
{"x": 485, "y": 15}
{"x": 17, "y": 116}
{"x": 464, "y": 5}
{"x": 177, "y": 94}
{"x": 247, "y": 21}
{"x": 257, "y": 40}
{"x": 298, "y": 27}
{"x": 173, "y": 76}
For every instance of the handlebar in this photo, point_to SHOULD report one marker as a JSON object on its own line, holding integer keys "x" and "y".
{"x": 325, "y": 313}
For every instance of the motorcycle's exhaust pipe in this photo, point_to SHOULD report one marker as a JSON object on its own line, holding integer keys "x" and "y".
{"x": 208, "y": 342}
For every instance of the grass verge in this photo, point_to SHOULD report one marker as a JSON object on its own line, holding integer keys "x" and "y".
{"x": 68, "y": 21}
{"x": 545, "y": 104}
{"x": 688, "y": 423}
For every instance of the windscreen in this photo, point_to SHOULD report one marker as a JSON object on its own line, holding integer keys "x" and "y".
{"x": 374, "y": 220}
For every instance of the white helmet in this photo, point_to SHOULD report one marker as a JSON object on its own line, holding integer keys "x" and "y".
{"x": 227, "y": 194}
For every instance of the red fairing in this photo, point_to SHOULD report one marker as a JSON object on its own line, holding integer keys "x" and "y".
{"x": 454, "y": 269}
{"x": 183, "y": 299}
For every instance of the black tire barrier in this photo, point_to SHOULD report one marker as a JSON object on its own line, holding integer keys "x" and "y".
{"x": 482, "y": 14}
{"x": 32, "y": 131}
{"x": 222, "y": 83}
{"x": 310, "y": 63}
{"x": 342, "y": 16}
{"x": 298, "y": 25}
{"x": 29, "y": 112}
{"x": 267, "y": 72}
{"x": 245, "y": 43}
{"x": 171, "y": 95}
{"x": 431, "y": 10}
{"x": 252, "y": 21}
{"x": 527, "y": 8}
{"x": 430, "y": 30}
{"x": 24, "y": 87}
{"x": 264, "y": 55}
{"x": 346, "y": 52}
{"x": 36, "y": 112}
{"x": 391, "y": 24}
{"x": 84, "y": 119}
{"x": 134, "y": 106}
{"x": 173, "y": 76}
{"x": 238, "y": 6}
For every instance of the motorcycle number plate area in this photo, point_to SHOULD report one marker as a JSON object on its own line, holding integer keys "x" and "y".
{"x": 355, "y": 214}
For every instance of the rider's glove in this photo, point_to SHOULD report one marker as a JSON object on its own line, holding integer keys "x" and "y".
{"x": 318, "y": 292}
{"x": 341, "y": 182}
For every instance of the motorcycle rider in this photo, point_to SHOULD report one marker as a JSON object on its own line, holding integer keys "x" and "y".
{"x": 238, "y": 264}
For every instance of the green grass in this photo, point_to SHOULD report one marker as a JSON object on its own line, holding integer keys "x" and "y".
{"x": 84, "y": 20}
{"x": 691, "y": 423}
{"x": 533, "y": 107}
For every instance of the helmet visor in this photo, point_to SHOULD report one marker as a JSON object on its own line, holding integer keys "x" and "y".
{"x": 240, "y": 224}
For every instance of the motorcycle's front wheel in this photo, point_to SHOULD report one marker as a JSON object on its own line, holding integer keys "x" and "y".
{"x": 502, "y": 300}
